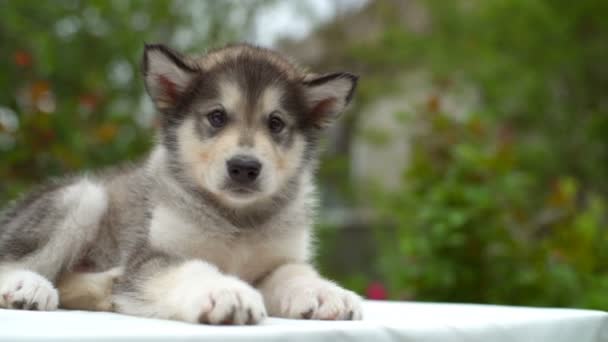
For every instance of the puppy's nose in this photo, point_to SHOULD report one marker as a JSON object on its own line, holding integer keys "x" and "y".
{"x": 243, "y": 169}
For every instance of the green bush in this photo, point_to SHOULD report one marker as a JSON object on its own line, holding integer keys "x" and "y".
{"x": 475, "y": 225}
{"x": 70, "y": 92}
{"x": 510, "y": 204}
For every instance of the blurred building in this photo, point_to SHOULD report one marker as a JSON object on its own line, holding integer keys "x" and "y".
{"x": 373, "y": 134}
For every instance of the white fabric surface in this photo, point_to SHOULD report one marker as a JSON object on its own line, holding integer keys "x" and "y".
{"x": 384, "y": 321}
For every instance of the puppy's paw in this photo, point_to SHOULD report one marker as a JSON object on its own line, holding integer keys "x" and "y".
{"x": 313, "y": 298}
{"x": 27, "y": 290}
{"x": 221, "y": 300}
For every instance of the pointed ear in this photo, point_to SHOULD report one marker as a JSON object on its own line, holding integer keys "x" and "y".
{"x": 328, "y": 95}
{"x": 167, "y": 75}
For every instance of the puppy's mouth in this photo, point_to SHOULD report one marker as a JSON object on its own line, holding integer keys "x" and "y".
{"x": 238, "y": 190}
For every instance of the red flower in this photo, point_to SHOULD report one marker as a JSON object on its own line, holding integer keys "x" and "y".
{"x": 89, "y": 101}
{"x": 376, "y": 291}
{"x": 22, "y": 58}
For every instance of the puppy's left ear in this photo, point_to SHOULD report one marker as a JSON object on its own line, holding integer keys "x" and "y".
{"x": 328, "y": 95}
{"x": 167, "y": 75}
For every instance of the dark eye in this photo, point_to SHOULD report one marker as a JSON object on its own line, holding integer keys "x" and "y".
{"x": 275, "y": 124}
{"x": 217, "y": 118}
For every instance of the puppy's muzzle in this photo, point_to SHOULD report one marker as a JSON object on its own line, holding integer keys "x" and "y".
{"x": 243, "y": 170}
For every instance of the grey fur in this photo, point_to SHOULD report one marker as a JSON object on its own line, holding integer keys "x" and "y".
{"x": 41, "y": 232}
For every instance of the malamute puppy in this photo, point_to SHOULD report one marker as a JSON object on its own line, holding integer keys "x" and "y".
{"x": 214, "y": 226}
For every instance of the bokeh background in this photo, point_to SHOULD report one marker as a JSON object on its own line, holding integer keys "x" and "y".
{"x": 471, "y": 167}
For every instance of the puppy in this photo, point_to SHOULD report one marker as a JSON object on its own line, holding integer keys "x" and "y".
{"x": 214, "y": 226}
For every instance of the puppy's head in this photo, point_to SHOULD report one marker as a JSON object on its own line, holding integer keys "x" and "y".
{"x": 241, "y": 122}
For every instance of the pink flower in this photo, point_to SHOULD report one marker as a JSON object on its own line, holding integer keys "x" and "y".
{"x": 376, "y": 291}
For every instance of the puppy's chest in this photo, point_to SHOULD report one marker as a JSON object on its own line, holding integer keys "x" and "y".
{"x": 247, "y": 257}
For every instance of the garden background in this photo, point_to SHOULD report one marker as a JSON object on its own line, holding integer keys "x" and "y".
{"x": 471, "y": 167}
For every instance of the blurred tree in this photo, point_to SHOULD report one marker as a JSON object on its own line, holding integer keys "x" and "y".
{"x": 70, "y": 93}
{"x": 508, "y": 203}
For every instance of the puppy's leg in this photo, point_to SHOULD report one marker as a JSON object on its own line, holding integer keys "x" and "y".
{"x": 59, "y": 224}
{"x": 297, "y": 291}
{"x": 192, "y": 291}
{"x": 88, "y": 290}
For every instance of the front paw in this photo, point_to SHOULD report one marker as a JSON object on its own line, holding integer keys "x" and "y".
{"x": 222, "y": 300}
{"x": 27, "y": 290}
{"x": 307, "y": 298}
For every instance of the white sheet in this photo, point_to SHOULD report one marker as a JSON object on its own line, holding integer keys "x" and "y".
{"x": 384, "y": 321}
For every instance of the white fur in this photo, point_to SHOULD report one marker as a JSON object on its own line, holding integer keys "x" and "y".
{"x": 27, "y": 287}
{"x": 231, "y": 97}
{"x": 197, "y": 292}
{"x": 157, "y": 159}
{"x": 85, "y": 203}
{"x": 270, "y": 100}
{"x": 297, "y": 291}
{"x": 248, "y": 257}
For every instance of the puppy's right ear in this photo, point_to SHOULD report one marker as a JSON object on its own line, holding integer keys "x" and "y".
{"x": 167, "y": 75}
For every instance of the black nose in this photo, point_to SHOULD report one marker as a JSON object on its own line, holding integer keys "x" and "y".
{"x": 243, "y": 169}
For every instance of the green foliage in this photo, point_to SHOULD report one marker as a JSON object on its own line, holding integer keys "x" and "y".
{"x": 70, "y": 93}
{"x": 474, "y": 224}
{"x": 508, "y": 205}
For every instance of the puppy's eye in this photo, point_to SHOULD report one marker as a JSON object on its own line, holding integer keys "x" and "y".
{"x": 275, "y": 124}
{"x": 217, "y": 118}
